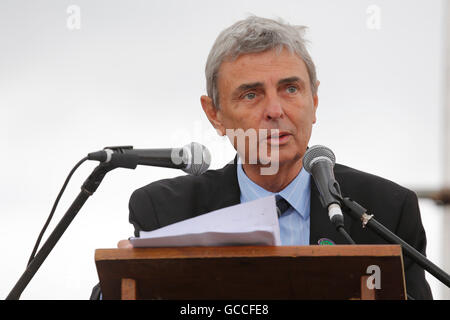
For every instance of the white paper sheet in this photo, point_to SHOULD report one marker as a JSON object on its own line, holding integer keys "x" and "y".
{"x": 250, "y": 223}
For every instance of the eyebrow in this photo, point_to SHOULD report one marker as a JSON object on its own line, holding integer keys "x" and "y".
{"x": 290, "y": 80}
{"x": 255, "y": 85}
{"x": 247, "y": 86}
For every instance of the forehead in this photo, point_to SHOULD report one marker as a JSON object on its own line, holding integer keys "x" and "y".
{"x": 268, "y": 66}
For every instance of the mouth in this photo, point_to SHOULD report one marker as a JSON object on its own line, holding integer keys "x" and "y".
{"x": 279, "y": 138}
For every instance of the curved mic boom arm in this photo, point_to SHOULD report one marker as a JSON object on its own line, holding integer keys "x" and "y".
{"x": 358, "y": 212}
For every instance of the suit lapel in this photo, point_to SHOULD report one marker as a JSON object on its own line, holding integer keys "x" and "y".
{"x": 227, "y": 192}
{"x": 320, "y": 224}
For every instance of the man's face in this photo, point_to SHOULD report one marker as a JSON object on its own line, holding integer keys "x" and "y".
{"x": 267, "y": 90}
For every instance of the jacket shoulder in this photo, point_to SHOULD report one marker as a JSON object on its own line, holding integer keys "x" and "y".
{"x": 167, "y": 201}
{"x": 357, "y": 181}
{"x": 383, "y": 198}
{"x": 187, "y": 182}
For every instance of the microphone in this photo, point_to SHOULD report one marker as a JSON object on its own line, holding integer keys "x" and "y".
{"x": 319, "y": 162}
{"x": 193, "y": 158}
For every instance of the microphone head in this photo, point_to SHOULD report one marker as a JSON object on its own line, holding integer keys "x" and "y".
{"x": 198, "y": 158}
{"x": 317, "y": 153}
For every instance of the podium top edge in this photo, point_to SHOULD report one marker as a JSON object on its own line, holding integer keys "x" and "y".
{"x": 248, "y": 251}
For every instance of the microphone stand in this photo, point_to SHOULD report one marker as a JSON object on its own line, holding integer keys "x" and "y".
{"x": 360, "y": 213}
{"x": 89, "y": 187}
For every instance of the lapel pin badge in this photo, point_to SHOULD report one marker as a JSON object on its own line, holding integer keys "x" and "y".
{"x": 325, "y": 242}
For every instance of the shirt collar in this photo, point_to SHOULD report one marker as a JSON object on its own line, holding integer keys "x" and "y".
{"x": 297, "y": 193}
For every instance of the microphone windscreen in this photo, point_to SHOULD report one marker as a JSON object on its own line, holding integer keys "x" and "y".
{"x": 315, "y": 153}
{"x": 199, "y": 159}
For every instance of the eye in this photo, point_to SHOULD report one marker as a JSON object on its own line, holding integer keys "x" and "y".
{"x": 291, "y": 89}
{"x": 250, "y": 96}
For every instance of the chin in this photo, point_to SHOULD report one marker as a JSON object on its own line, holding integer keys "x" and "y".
{"x": 284, "y": 158}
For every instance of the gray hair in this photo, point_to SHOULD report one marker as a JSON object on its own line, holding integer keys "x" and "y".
{"x": 253, "y": 35}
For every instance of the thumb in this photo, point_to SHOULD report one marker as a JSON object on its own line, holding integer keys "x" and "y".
{"x": 124, "y": 244}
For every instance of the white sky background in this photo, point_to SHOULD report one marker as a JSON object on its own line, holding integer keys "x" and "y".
{"x": 133, "y": 75}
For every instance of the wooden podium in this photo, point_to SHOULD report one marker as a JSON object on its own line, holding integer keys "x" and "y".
{"x": 253, "y": 273}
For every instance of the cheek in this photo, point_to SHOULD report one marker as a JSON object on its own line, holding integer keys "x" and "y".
{"x": 303, "y": 123}
{"x": 242, "y": 120}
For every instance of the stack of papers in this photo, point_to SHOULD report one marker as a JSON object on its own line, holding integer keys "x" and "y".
{"x": 250, "y": 223}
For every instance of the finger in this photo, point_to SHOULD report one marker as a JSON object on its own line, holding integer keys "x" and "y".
{"x": 124, "y": 244}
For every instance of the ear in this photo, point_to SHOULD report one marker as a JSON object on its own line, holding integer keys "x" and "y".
{"x": 316, "y": 101}
{"x": 213, "y": 114}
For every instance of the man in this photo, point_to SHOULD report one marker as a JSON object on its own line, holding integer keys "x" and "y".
{"x": 260, "y": 77}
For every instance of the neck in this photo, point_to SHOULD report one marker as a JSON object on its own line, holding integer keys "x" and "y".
{"x": 273, "y": 183}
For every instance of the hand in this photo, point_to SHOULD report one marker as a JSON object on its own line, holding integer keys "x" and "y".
{"x": 124, "y": 244}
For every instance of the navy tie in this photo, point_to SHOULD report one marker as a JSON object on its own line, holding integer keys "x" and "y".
{"x": 282, "y": 206}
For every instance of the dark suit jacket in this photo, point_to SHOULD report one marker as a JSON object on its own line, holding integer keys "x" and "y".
{"x": 171, "y": 200}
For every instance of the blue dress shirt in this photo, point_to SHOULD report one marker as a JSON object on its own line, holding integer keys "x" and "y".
{"x": 295, "y": 222}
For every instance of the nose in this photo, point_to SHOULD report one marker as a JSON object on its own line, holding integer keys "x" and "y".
{"x": 273, "y": 108}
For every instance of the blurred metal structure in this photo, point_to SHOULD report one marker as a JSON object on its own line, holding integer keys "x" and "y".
{"x": 440, "y": 197}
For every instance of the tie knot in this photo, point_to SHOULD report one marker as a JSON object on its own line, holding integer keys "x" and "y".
{"x": 282, "y": 206}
